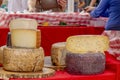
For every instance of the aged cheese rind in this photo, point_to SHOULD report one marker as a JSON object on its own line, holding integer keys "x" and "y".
{"x": 1, "y": 54}
{"x": 23, "y": 23}
{"x": 23, "y": 60}
{"x": 85, "y": 43}
{"x": 58, "y": 53}
{"x": 25, "y": 38}
{"x": 88, "y": 63}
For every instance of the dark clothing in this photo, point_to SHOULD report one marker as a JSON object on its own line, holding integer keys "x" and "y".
{"x": 43, "y": 5}
{"x": 110, "y": 8}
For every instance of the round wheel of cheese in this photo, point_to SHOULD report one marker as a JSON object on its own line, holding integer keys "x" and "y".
{"x": 23, "y": 23}
{"x": 88, "y": 63}
{"x": 23, "y": 60}
{"x": 85, "y": 43}
{"x": 58, "y": 54}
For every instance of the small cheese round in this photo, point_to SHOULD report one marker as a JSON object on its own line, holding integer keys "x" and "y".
{"x": 23, "y": 60}
{"x": 23, "y": 23}
{"x": 58, "y": 53}
{"x": 88, "y": 63}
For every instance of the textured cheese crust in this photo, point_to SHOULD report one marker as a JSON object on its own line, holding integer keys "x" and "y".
{"x": 23, "y": 60}
{"x": 25, "y": 38}
{"x": 85, "y": 43}
{"x": 23, "y": 23}
{"x": 58, "y": 53}
{"x": 1, "y": 54}
{"x": 88, "y": 63}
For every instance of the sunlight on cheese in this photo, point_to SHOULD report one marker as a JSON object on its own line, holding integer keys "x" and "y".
{"x": 26, "y": 38}
{"x": 85, "y": 43}
{"x": 23, "y": 23}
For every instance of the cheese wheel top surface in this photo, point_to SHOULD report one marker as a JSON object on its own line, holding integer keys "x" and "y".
{"x": 23, "y": 23}
{"x": 24, "y": 38}
{"x": 85, "y": 43}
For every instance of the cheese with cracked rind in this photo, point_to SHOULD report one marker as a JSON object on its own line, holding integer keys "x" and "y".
{"x": 84, "y": 43}
{"x": 23, "y": 60}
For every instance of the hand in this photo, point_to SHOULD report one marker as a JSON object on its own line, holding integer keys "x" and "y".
{"x": 32, "y": 9}
{"x": 81, "y": 4}
{"x": 62, "y": 4}
{"x": 31, "y": 5}
{"x": 89, "y": 8}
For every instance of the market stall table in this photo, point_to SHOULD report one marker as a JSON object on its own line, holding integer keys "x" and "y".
{"x": 51, "y": 35}
{"x": 54, "y": 18}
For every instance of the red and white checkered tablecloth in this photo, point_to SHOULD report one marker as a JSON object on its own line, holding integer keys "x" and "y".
{"x": 52, "y": 18}
{"x": 98, "y": 22}
{"x": 114, "y": 37}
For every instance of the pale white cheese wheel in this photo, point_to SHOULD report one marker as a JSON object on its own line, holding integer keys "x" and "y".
{"x": 24, "y": 38}
{"x": 58, "y": 53}
{"x": 23, "y": 60}
{"x": 23, "y": 23}
{"x": 86, "y": 43}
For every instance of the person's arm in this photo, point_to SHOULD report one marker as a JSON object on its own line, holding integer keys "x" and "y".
{"x": 62, "y": 4}
{"x": 100, "y": 9}
{"x": 105, "y": 14}
{"x": 31, "y": 5}
{"x": 81, "y": 4}
{"x": 92, "y": 3}
{"x": 1, "y": 1}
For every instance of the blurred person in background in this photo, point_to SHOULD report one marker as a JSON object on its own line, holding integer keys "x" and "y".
{"x": 17, "y": 5}
{"x": 38, "y": 5}
{"x": 81, "y": 3}
{"x": 94, "y": 2}
{"x": 5, "y": 5}
{"x": 1, "y": 2}
{"x": 78, "y": 5}
{"x": 110, "y": 9}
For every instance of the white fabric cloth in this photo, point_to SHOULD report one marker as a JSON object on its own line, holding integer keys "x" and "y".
{"x": 17, "y": 5}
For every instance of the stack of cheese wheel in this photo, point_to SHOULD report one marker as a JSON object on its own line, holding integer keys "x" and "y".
{"x": 58, "y": 54}
{"x": 86, "y": 54}
{"x": 23, "y": 53}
